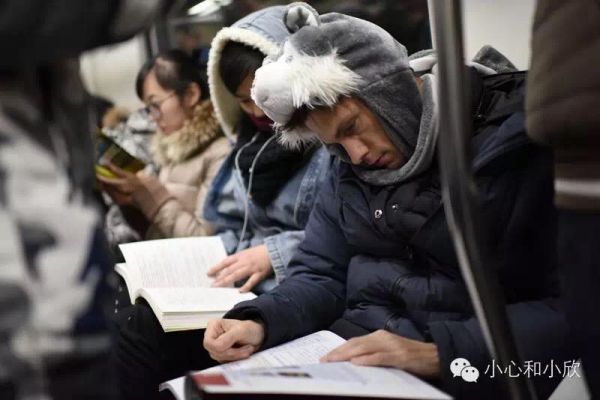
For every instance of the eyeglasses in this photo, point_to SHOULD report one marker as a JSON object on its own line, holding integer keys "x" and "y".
{"x": 153, "y": 108}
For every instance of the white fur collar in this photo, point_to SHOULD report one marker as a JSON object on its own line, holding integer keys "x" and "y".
{"x": 196, "y": 135}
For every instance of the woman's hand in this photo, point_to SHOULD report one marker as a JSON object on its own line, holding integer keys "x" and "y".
{"x": 122, "y": 188}
{"x": 253, "y": 263}
{"x": 382, "y": 348}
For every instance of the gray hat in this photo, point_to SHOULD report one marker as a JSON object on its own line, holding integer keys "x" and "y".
{"x": 335, "y": 55}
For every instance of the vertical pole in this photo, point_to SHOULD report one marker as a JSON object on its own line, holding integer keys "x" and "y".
{"x": 460, "y": 194}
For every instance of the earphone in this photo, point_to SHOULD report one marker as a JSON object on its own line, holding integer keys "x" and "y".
{"x": 241, "y": 181}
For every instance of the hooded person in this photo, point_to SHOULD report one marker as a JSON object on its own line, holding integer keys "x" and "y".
{"x": 261, "y": 198}
{"x": 377, "y": 263}
{"x": 259, "y": 204}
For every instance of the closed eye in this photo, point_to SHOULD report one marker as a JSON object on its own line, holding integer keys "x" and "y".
{"x": 350, "y": 129}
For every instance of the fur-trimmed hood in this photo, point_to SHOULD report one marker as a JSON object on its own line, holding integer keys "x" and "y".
{"x": 263, "y": 30}
{"x": 197, "y": 133}
{"x": 334, "y": 55}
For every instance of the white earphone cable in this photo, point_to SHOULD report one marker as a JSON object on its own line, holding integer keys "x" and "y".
{"x": 240, "y": 177}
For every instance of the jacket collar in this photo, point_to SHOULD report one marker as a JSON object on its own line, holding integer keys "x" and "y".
{"x": 197, "y": 133}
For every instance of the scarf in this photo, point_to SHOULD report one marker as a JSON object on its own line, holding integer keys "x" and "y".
{"x": 275, "y": 166}
{"x": 196, "y": 134}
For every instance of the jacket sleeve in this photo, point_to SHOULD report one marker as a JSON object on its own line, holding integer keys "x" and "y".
{"x": 171, "y": 219}
{"x": 281, "y": 248}
{"x": 541, "y": 335}
{"x": 313, "y": 295}
{"x": 231, "y": 238}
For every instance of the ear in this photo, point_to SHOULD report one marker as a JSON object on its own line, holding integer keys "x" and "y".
{"x": 192, "y": 95}
{"x": 300, "y": 14}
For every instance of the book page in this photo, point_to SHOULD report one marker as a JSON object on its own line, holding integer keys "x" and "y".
{"x": 305, "y": 350}
{"x": 334, "y": 379}
{"x": 179, "y": 262}
{"x": 175, "y": 386}
{"x": 132, "y": 279}
{"x": 192, "y": 300}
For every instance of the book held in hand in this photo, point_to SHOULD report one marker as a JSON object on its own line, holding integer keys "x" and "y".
{"x": 109, "y": 152}
{"x": 293, "y": 370}
{"x": 170, "y": 275}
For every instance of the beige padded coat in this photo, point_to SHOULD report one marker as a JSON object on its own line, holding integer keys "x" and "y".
{"x": 189, "y": 159}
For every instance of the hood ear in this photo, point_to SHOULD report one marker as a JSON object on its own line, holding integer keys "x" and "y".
{"x": 300, "y": 14}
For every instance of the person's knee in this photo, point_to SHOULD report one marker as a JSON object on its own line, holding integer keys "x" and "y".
{"x": 138, "y": 320}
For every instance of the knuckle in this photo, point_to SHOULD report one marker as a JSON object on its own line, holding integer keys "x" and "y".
{"x": 379, "y": 358}
{"x": 239, "y": 274}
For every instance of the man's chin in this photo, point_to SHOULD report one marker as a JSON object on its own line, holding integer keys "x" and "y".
{"x": 394, "y": 165}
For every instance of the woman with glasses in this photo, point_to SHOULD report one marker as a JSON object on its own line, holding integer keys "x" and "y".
{"x": 189, "y": 147}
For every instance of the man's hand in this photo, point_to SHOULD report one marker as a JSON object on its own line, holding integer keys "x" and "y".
{"x": 253, "y": 263}
{"x": 382, "y": 348}
{"x": 231, "y": 339}
{"x": 121, "y": 188}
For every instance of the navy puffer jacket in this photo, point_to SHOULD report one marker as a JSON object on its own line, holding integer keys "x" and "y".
{"x": 382, "y": 257}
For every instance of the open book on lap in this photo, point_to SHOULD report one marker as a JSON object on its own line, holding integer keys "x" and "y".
{"x": 170, "y": 274}
{"x": 292, "y": 370}
{"x": 327, "y": 380}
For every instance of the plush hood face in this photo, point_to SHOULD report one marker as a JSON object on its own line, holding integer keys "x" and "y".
{"x": 263, "y": 30}
{"x": 336, "y": 55}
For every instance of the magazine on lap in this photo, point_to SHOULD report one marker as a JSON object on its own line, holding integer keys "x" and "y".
{"x": 293, "y": 370}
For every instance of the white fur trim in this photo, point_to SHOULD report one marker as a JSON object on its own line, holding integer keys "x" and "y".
{"x": 296, "y": 79}
{"x": 423, "y": 64}
{"x": 429, "y": 63}
{"x": 482, "y": 69}
{"x": 226, "y": 106}
{"x": 196, "y": 134}
{"x": 294, "y": 139}
{"x": 320, "y": 81}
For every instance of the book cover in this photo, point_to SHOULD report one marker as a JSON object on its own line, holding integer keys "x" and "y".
{"x": 323, "y": 381}
{"x": 109, "y": 152}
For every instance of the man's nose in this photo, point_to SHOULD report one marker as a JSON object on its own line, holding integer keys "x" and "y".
{"x": 356, "y": 150}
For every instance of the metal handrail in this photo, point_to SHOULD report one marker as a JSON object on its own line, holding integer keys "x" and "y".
{"x": 460, "y": 194}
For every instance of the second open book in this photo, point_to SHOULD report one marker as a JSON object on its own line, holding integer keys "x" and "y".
{"x": 293, "y": 369}
{"x": 170, "y": 274}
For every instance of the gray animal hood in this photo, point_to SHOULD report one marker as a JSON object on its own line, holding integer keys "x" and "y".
{"x": 263, "y": 30}
{"x": 334, "y": 55}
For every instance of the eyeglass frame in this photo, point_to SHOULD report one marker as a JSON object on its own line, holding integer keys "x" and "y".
{"x": 154, "y": 108}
